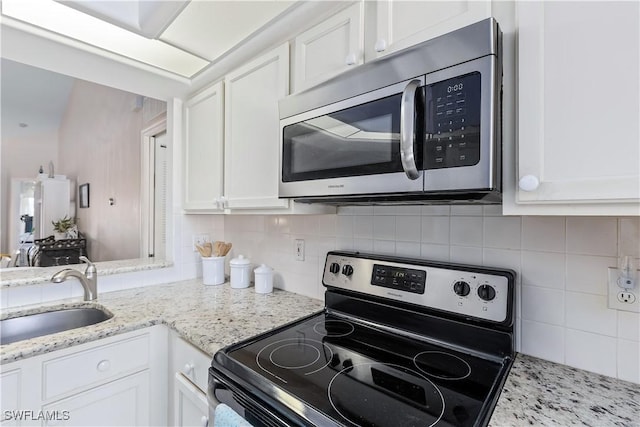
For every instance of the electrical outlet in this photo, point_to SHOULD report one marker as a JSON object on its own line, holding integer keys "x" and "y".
{"x": 620, "y": 298}
{"x": 200, "y": 239}
{"x": 299, "y": 250}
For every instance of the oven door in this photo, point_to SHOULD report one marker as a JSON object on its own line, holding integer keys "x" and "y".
{"x": 368, "y": 144}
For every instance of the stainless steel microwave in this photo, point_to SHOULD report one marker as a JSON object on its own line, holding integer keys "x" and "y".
{"x": 416, "y": 126}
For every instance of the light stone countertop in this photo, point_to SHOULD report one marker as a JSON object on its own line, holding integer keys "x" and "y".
{"x": 25, "y": 276}
{"x": 537, "y": 392}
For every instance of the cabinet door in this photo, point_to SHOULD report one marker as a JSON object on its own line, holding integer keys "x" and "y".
{"x": 252, "y": 132}
{"x": 120, "y": 403}
{"x": 329, "y": 48}
{"x": 578, "y": 105}
{"x": 190, "y": 404}
{"x": 10, "y": 386}
{"x": 203, "y": 150}
{"x": 399, "y": 24}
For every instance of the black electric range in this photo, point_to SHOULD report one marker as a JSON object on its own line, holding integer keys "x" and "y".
{"x": 401, "y": 342}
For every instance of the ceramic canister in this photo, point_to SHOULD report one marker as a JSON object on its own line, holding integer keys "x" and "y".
{"x": 264, "y": 279}
{"x": 240, "y": 272}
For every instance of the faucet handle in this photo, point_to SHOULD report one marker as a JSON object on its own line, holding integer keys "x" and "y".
{"x": 91, "y": 267}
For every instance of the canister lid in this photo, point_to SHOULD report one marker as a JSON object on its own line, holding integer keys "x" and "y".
{"x": 241, "y": 260}
{"x": 263, "y": 269}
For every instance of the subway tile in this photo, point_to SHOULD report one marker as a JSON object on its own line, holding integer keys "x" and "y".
{"x": 345, "y": 244}
{"x": 408, "y": 228}
{"x": 363, "y": 226}
{"x": 592, "y": 236}
{"x": 363, "y": 245}
{"x": 590, "y": 313}
{"x": 592, "y": 352}
{"x": 384, "y": 210}
{"x": 546, "y": 269}
{"x": 344, "y": 226}
{"x": 629, "y": 361}
{"x": 466, "y": 231}
{"x": 465, "y": 255}
{"x": 629, "y": 237}
{"x": 543, "y": 305}
{"x": 56, "y": 291}
{"x": 466, "y": 210}
{"x": 24, "y": 295}
{"x": 502, "y": 232}
{"x": 384, "y": 227}
{"x": 434, "y": 252}
{"x": 543, "y": 340}
{"x": 311, "y": 224}
{"x": 408, "y": 210}
{"x": 492, "y": 210}
{"x": 297, "y": 224}
{"x": 588, "y": 274}
{"x": 629, "y": 325}
{"x": 435, "y": 229}
{"x": 543, "y": 233}
{"x": 502, "y": 258}
{"x": 408, "y": 249}
{"x": 437, "y": 210}
{"x": 384, "y": 247}
{"x": 327, "y": 225}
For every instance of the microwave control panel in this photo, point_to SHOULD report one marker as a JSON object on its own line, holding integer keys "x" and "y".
{"x": 452, "y": 136}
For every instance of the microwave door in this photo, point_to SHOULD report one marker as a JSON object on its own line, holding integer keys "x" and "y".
{"x": 352, "y": 147}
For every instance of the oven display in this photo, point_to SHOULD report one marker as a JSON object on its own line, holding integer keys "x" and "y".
{"x": 453, "y": 122}
{"x": 403, "y": 279}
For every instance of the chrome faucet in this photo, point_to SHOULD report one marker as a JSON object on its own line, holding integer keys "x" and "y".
{"x": 89, "y": 279}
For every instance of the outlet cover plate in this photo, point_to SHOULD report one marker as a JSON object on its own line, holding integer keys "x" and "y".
{"x": 614, "y": 290}
{"x": 200, "y": 239}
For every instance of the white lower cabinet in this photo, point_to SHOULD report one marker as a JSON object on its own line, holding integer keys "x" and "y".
{"x": 115, "y": 381}
{"x": 189, "y": 371}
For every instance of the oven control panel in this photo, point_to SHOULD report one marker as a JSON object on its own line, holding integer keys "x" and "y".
{"x": 478, "y": 292}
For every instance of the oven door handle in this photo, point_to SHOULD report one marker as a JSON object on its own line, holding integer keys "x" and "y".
{"x": 408, "y": 129}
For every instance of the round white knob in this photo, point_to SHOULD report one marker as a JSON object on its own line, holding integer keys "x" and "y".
{"x": 381, "y": 45}
{"x": 529, "y": 183}
{"x": 103, "y": 366}
{"x": 188, "y": 369}
{"x": 204, "y": 421}
{"x": 350, "y": 59}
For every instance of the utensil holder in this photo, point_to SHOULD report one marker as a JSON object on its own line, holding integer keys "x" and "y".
{"x": 213, "y": 270}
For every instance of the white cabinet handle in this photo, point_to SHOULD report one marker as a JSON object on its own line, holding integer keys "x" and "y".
{"x": 350, "y": 59}
{"x": 204, "y": 421}
{"x": 223, "y": 202}
{"x": 103, "y": 365}
{"x": 529, "y": 183}
{"x": 188, "y": 369}
{"x": 381, "y": 45}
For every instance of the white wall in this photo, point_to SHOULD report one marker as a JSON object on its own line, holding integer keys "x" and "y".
{"x": 21, "y": 158}
{"x": 100, "y": 145}
{"x": 561, "y": 262}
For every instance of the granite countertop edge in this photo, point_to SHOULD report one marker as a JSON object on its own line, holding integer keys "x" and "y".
{"x": 536, "y": 392}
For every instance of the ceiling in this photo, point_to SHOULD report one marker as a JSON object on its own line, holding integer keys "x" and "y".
{"x": 182, "y": 37}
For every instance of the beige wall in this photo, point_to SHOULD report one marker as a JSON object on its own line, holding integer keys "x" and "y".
{"x": 100, "y": 145}
{"x": 21, "y": 158}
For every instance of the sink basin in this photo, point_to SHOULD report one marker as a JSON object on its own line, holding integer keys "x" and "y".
{"x": 50, "y": 322}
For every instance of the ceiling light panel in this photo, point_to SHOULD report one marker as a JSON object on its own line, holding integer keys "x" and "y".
{"x": 69, "y": 22}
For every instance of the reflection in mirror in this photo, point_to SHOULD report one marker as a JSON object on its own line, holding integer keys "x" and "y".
{"x": 56, "y": 129}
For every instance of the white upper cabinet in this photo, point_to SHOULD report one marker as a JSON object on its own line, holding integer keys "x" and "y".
{"x": 203, "y": 150}
{"x": 578, "y": 109}
{"x": 394, "y": 25}
{"x": 252, "y": 131}
{"x": 329, "y": 48}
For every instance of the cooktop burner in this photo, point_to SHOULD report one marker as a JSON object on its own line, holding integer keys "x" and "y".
{"x": 366, "y": 376}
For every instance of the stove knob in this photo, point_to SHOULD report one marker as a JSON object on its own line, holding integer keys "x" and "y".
{"x": 486, "y": 292}
{"x": 347, "y": 270}
{"x": 334, "y": 268}
{"x": 461, "y": 288}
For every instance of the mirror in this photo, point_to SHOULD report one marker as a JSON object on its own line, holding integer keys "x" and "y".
{"x": 57, "y": 128}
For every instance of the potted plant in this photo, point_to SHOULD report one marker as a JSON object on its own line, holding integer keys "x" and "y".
{"x": 61, "y": 227}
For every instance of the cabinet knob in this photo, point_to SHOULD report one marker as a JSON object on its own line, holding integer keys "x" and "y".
{"x": 350, "y": 59}
{"x": 188, "y": 368}
{"x": 381, "y": 45}
{"x": 529, "y": 183}
{"x": 103, "y": 365}
{"x": 204, "y": 421}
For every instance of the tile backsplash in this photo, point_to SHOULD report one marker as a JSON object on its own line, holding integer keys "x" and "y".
{"x": 562, "y": 312}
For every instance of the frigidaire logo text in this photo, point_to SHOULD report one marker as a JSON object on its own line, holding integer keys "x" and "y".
{"x": 337, "y": 186}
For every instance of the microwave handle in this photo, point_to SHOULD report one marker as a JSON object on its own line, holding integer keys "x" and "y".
{"x": 408, "y": 129}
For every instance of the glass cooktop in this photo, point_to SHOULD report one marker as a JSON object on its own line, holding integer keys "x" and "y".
{"x": 356, "y": 374}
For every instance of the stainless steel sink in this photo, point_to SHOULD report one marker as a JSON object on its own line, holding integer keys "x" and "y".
{"x": 50, "y": 322}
